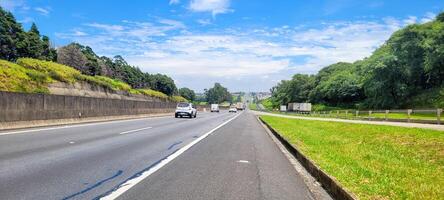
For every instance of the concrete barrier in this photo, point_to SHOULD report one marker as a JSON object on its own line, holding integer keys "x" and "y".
{"x": 16, "y": 107}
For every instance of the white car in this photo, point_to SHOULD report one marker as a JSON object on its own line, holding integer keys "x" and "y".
{"x": 232, "y": 109}
{"x": 185, "y": 109}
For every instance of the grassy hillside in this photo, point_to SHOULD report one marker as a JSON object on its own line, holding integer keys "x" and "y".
{"x": 33, "y": 76}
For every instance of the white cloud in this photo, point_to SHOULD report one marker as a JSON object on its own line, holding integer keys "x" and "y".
{"x": 167, "y": 46}
{"x": 411, "y": 20}
{"x": 172, "y": 2}
{"x": 204, "y": 22}
{"x": 11, "y": 5}
{"x": 213, "y": 6}
{"x": 428, "y": 17}
{"x": 173, "y": 23}
{"x": 42, "y": 11}
{"x": 106, "y": 27}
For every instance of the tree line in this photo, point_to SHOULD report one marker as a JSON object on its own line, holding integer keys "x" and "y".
{"x": 16, "y": 43}
{"x": 407, "y": 70}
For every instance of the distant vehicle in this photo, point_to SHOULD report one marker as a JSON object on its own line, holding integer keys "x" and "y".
{"x": 299, "y": 107}
{"x": 214, "y": 107}
{"x": 185, "y": 109}
{"x": 240, "y": 106}
{"x": 233, "y": 109}
{"x": 283, "y": 108}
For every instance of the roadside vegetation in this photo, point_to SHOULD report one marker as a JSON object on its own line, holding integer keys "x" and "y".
{"x": 407, "y": 71}
{"x": 372, "y": 161}
{"x": 252, "y": 106}
{"x": 29, "y": 75}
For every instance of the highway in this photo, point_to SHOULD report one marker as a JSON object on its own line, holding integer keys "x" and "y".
{"x": 215, "y": 156}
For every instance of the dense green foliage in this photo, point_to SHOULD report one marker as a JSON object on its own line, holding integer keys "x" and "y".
{"x": 217, "y": 94}
{"x": 15, "y": 43}
{"x": 399, "y": 74}
{"x": 187, "y": 93}
{"x": 372, "y": 161}
{"x": 84, "y": 59}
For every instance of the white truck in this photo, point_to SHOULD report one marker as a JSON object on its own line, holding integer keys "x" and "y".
{"x": 214, "y": 108}
{"x": 240, "y": 106}
{"x": 299, "y": 107}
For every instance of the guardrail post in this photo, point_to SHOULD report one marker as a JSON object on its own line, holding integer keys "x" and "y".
{"x": 357, "y": 113}
{"x": 438, "y": 115}
{"x": 329, "y": 115}
{"x": 337, "y": 114}
{"x": 370, "y": 115}
{"x": 409, "y": 112}
{"x": 386, "y": 114}
{"x": 346, "y": 113}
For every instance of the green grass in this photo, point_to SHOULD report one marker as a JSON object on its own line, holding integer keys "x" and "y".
{"x": 421, "y": 116}
{"x": 33, "y": 76}
{"x": 15, "y": 78}
{"x": 252, "y": 106}
{"x": 55, "y": 71}
{"x": 431, "y": 116}
{"x": 372, "y": 161}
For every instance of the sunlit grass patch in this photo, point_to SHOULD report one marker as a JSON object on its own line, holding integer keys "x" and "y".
{"x": 15, "y": 78}
{"x": 373, "y": 161}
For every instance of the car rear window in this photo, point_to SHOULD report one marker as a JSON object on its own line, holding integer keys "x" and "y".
{"x": 183, "y": 105}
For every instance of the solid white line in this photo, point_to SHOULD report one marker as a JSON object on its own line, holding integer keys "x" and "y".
{"x": 132, "y": 131}
{"x": 79, "y": 125}
{"x": 131, "y": 183}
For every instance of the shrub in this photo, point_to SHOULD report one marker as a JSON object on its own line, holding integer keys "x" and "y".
{"x": 153, "y": 93}
{"x": 178, "y": 99}
{"x": 56, "y": 71}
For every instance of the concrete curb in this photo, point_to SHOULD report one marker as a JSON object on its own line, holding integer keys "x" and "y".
{"x": 329, "y": 183}
{"x": 58, "y": 122}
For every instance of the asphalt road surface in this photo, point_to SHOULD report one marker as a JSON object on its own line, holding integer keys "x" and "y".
{"x": 91, "y": 161}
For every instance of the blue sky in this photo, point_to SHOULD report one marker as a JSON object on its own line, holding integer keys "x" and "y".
{"x": 246, "y": 45}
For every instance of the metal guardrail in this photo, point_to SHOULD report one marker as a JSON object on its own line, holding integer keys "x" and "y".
{"x": 429, "y": 116}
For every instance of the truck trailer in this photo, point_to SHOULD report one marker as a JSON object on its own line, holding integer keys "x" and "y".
{"x": 299, "y": 107}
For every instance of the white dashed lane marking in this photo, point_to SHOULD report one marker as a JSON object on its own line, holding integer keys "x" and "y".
{"x": 132, "y": 131}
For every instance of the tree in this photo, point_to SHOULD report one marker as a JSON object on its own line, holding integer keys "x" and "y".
{"x": 338, "y": 84}
{"x": 387, "y": 84}
{"x": 12, "y": 37}
{"x": 16, "y": 43}
{"x": 49, "y": 53}
{"x": 295, "y": 90}
{"x": 217, "y": 94}
{"x": 35, "y": 47}
{"x": 71, "y": 55}
{"x": 187, "y": 93}
{"x": 440, "y": 17}
{"x": 163, "y": 84}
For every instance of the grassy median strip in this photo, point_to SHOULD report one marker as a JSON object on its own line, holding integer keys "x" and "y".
{"x": 372, "y": 161}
